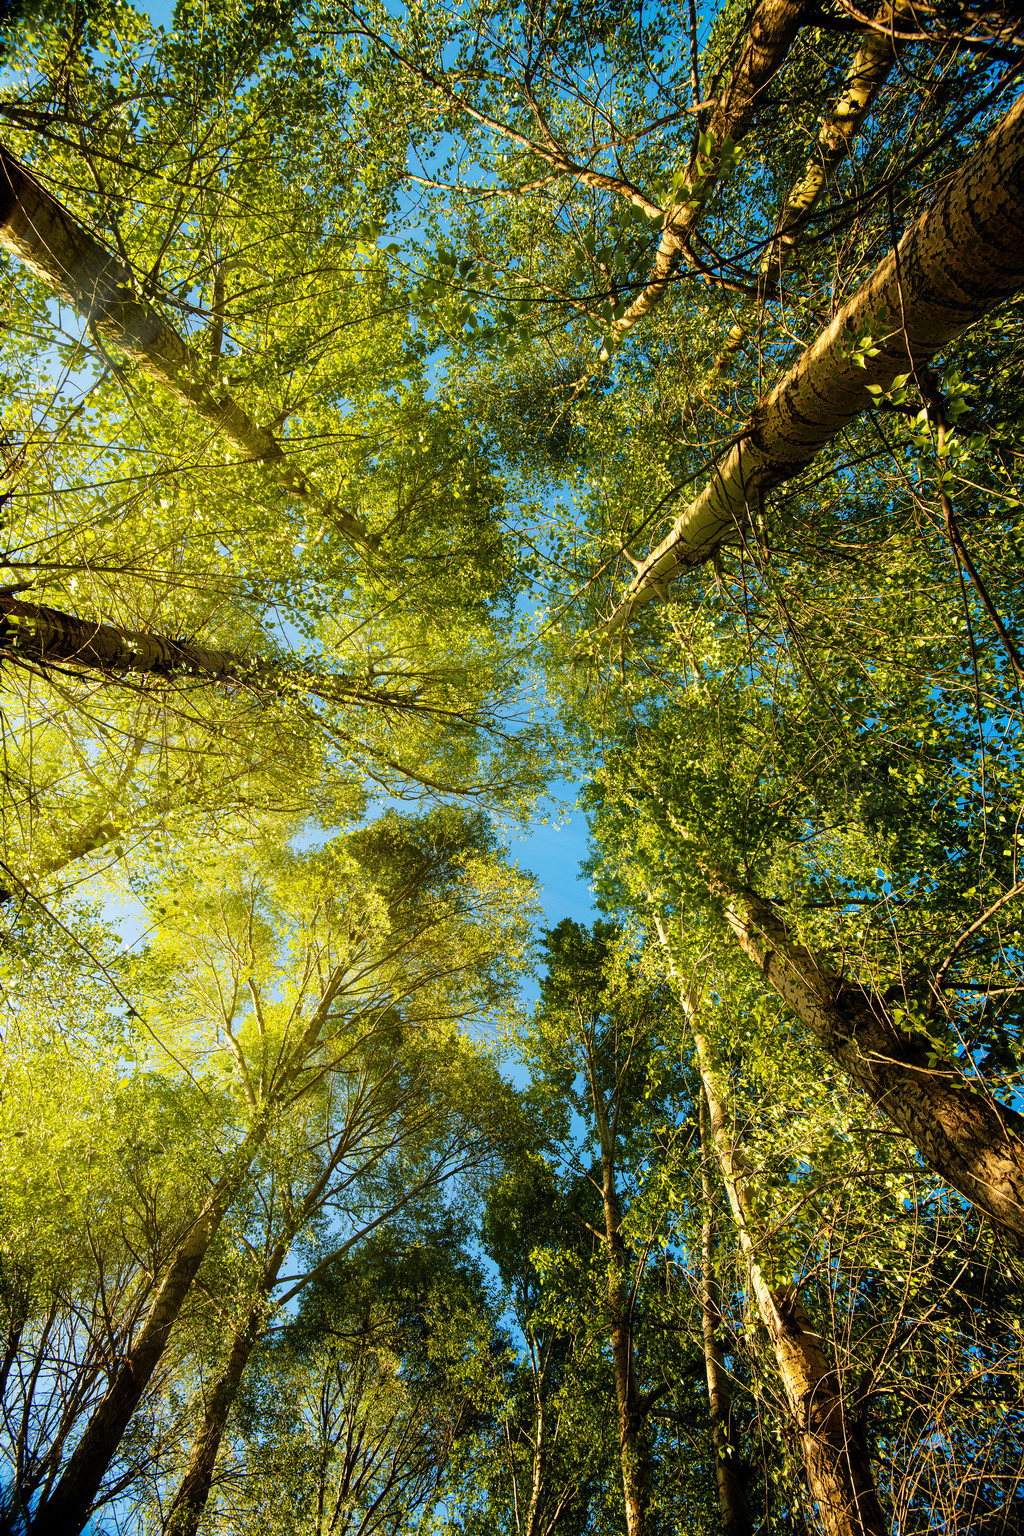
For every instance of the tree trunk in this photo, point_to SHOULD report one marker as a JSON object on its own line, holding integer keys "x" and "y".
{"x": 48, "y": 637}
{"x": 866, "y": 76}
{"x": 773, "y": 27}
{"x": 67, "y": 1509}
{"x": 189, "y": 1502}
{"x": 975, "y": 1144}
{"x": 729, "y": 1473}
{"x": 834, "y": 1455}
{"x": 532, "y": 1526}
{"x": 634, "y": 1451}
{"x": 80, "y": 270}
{"x": 957, "y": 261}
{"x": 835, "y": 1460}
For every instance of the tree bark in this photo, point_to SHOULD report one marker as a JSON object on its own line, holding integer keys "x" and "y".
{"x": 954, "y": 263}
{"x": 634, "y": 1452}
{"x": 189, "y": 1502}
{"x": 871, "y": 68}
{"x": 975, "y": 1144}
{"x": 835, "y": 1459}
{"x": 68, "y": 1507}
{"x": 49, "y": 637}
{"x": 773, "y": 27}
{"x": 80, "y": 270}
{"x": 729, "y": 1473}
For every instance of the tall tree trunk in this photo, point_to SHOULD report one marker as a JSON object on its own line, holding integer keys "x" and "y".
{"x": 954, "y": 263}
{"x": 974, "y": 1143}
{"x": 81, "y": 271}
{"x": 49, "y": 637}
{"x": 67, "y": 1509}
{"x": 634, "y": 1451}
{"x": 190, "y": 1501}
{"x": 773, "y": 27}
{"x": 532, "y": 1525}
{"x": 871, "y": 68}
{"x": 834, "y": 1455}
{"x": 729, "y": 1472}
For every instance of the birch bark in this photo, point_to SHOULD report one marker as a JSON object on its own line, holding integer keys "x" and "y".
{"x": 871, "y": 68}
{"x": 76, "y": 267}
{"x": 773, "y": 27}
{"x": 835, "y": 1458}
{"x": 954, "y": 263}
{"x": 974, "y": 1143}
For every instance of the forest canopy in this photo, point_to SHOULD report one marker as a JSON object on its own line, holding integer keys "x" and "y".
{"x": 406, "y": 412}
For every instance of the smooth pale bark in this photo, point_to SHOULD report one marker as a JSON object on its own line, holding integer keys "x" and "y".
{"x": 834, "y": 1454}
{"x": 871, "y": 68}
{"x": 729, "y": 1472}
{"x": 974, "y": 1143}
{"x": 773, "y": 27}
{"x": 634, "y": 1451}
{"x": 962, "y": 257}
{"x": 835, "y": 1460}
{"x": 76, "y": 267}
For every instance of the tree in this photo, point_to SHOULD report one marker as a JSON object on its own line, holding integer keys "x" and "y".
{"x": 403, "y": 927}
{"x": 600, "y": 1029}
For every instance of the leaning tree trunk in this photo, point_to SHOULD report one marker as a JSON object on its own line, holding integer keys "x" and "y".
{"x": 974, "y": 1143}
{"x": 48, "y": 637}
{"x": 190, "y": 1501}
{"x": 67, "y": 1509}
{"x": 956, "y": 262}
{"x": 835, "y": 1458}
{"x": 75, "y": 266}
{"x": 729, "y": 1472}
{"x": 634, "y": 1451}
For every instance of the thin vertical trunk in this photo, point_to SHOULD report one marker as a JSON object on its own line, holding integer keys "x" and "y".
{"x": 835, "y": 1458}
{"x": 190, "y": 1501}
{"x": 532, "y": 1526}
{"x": 729, "y": 1473}
{"x": 634, "y": 1451}
{"x": 973, "y": 1142}
{"x": 80, "y": 270}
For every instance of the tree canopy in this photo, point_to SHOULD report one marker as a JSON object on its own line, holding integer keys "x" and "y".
{"x": 408, "y": 414}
